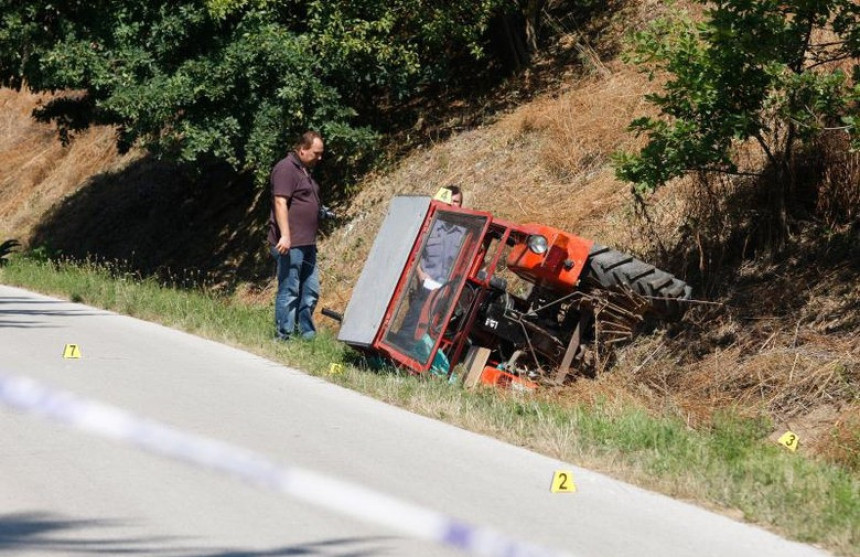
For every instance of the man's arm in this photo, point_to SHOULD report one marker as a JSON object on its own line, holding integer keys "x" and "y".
{"x": 281, "y": 218}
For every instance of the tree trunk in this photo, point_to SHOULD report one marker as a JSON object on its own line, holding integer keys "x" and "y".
{"x": 514, "y": 44}
{"x": 774, "y": 231}
{"x": 532, "y": 14}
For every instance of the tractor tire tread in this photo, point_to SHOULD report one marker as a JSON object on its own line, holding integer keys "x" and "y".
{"x": 610, "y": 269}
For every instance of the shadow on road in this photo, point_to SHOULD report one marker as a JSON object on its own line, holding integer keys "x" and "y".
{"x": 46, "y": 533}
{"x": 25, "y": 316}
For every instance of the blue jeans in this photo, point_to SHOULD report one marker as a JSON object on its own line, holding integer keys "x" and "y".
{"x": 298, "y": 291}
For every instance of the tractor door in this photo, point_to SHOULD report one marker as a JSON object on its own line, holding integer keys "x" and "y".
{"x": 427, "y": 294}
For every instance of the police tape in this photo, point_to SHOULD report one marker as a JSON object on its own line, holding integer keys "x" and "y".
{"x": 29, "y": 396}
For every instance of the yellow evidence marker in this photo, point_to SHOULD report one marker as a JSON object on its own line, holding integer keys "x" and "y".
{"x": 562, "y": 482}
{"x": 789, "y": 440}
{"x": 335, "y": 369}
{"x": 71, "y": 351}
{"x": 443, "y": 195}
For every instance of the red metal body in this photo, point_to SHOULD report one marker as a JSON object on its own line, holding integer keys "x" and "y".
{"x": 484, "y": 241}
{"x": 559, "y": 267}
{"x": 443, "y": 284}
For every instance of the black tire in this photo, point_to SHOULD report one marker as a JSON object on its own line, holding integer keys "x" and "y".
{"x": 610, "y": 269}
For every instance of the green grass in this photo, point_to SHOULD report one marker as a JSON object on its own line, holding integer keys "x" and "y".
{"x": 731, "y": 467}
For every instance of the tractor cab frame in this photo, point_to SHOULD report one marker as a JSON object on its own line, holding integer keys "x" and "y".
{"x": 428, "y": 323}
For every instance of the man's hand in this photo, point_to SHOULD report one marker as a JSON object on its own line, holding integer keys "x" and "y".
{"x": 283, "y": 245}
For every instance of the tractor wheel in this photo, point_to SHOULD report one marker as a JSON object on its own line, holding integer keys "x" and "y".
{"x": 610, "y": 269}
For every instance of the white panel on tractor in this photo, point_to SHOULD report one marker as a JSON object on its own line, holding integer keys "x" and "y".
{"x": 382, "y": 270}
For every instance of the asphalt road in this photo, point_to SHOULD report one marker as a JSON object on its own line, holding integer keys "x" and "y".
{"x": 64, "y": 492}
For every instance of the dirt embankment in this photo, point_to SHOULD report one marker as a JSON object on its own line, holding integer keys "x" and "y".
{"x": 36, "y": 170}
{"x": 776, "y": 339}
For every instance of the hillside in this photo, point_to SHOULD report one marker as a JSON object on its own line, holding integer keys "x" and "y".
{"x": 771, "y": 339}
{"x": 779, "y": 340}
{"x": 776, "y": 340}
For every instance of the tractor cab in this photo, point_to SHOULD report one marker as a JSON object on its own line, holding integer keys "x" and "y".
{"x": 425, "y": 301}
{"x": 443, "y": 282}
{"x": 405, "y": 299}
{"x": 432, "y": 281}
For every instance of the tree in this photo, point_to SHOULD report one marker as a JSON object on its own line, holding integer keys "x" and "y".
{"x": 233, "y": 80}
{"x": 777, "y": 73}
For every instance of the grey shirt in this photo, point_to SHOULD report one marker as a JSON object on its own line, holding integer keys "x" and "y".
{"x": 441, "y": 250}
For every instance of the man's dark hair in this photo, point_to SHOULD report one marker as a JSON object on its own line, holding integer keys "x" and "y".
{"x": 307, "y": 139}
{"x": 454, "y": 189}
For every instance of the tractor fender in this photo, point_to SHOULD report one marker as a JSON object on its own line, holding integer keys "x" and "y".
{"x": 559, "y": 267}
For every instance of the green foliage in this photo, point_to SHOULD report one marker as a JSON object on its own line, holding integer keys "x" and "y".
{"x": 767, "y": 71}
{"x": 220, "y": 9}
{"x": 6, "y": 248}
{"x": 233, "y": 80}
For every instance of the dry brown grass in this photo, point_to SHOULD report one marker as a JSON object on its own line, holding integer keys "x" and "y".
{"x": 548, "y": 162}
{"x": 839, "y": 187}
{"x": 842, "y": 441}
{"x": 544, "y": 162}
{"x": 36, "y": 170}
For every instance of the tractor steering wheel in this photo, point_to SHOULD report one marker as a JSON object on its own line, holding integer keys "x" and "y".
{"x": 432, "y": 313}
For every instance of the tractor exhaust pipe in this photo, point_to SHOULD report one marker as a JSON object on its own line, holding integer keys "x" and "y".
{"x": 332, "y": 314}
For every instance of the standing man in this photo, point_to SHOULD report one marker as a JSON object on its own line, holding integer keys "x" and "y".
{"x": 292, "y": 238}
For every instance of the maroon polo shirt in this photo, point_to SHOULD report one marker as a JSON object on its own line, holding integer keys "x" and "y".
{"x": 292, "y": 180}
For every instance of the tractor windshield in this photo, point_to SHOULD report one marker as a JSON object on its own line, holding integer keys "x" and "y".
{"x": 433, "y": 285}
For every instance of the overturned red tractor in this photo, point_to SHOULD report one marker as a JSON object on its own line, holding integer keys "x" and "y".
{"x": 520, "y": 305}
